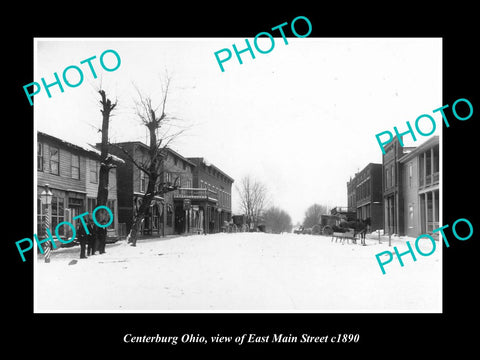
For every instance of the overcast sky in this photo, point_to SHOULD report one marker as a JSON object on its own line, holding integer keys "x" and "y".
{"x": 302, "y": 119}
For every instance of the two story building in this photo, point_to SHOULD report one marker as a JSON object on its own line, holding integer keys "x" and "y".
{"x": 70, "y": 171}
{"x": 165, "y": 216}
{"x": 420, "y": 188}
{"x": 215, "y": 186}
{"x": 392, "y": 187}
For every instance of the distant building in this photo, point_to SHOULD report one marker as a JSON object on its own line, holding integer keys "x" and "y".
{"x": 364, "y": 193}
{"x": 71, "y": 172}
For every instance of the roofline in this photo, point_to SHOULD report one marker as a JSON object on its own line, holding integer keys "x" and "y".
{"x": 92, "y": 152}
{"x": 433, "y": 141}
{"x": 202, "y": 160}
{"x": 146, "y": 147}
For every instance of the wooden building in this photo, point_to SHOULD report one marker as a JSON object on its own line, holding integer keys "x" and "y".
{"x": 420, "y": 188}
{"x": 71, "y": 173}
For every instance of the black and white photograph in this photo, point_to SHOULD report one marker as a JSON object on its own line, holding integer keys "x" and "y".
{"x": 282, "y": 178}
{"x": 252, "y": 186}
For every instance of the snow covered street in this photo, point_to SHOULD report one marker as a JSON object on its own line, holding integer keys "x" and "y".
{"x": 242, "y": 272}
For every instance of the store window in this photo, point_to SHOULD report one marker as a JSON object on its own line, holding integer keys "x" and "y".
{"x": 58, "y": 213}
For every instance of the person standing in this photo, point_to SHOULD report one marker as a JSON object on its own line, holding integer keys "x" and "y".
{"x": 82, "y": 238}
{"x": 92, "y": 239}
{"x": 101, "y": 237}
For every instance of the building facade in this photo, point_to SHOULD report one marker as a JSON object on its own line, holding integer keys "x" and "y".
{"x": 66, "y": 169}
{"x": 132, "y": 185}
{"x": 393, "y": 202}
{"x": 364, "y": 192}
{"x": 217, "y": 186}
{"x": 420, "y": 188}
{"x": 182, "y": 216}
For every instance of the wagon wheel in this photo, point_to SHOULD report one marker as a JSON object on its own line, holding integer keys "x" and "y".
{"x": 327, "y": 230}
{"x": 316, "y": 230}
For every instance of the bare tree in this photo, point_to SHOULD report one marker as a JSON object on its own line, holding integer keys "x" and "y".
{"x": 253, "y": 197}
{"x": 106, "y": 162}
{"x": 155, "y": 119}
{"x": 312, "y": 215}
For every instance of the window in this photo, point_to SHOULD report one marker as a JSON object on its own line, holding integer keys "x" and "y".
{"x": 39, "y": 156}
{"x": 58, "y": 214}
{"x": 387, "y": 179}
{"x": 410, "y": 174}
{"x": 54, "y": 160}
{"x": 168, "y": 177}
{"x": 91, "y": 204}
{"x": 93, "y": 171}
{"x": 392, "y": 176}
{"x": 75, "y": 167}
{"x": 143, "y": 182}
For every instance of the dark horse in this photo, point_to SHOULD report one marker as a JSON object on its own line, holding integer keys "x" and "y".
{"x": 361, "y": 228}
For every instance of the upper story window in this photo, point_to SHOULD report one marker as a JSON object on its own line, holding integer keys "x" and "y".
{"x": 75, "y": 167}
{"x": 93, "y": 171}
{"x": 39, "y": 156}
{"x": 387, "y": 179}
{"x": 410, "y": 175}
{"x": 168, "y": 177}
{"x": 54, "y": 161}
{"x": 143, "y": 182}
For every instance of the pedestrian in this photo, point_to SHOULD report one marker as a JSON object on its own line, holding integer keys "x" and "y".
{"x": 363, "y": 231}
{"x": 101, "y": 237}
{"x": 92, "y": 239}
{"x": 82, "y": 238}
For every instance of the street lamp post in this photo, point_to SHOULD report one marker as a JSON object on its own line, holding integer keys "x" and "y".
{"x": 46, "y": 199}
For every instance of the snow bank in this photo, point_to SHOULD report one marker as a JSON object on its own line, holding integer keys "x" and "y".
{"x": 239, "y": 272}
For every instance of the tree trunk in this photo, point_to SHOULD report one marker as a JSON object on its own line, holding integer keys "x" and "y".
{"x": 102, "y": 193}
{"x": 142, "y": 211}
{"x": 150, "y": 193}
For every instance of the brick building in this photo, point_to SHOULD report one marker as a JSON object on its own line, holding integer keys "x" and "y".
{"x": 161, "y": 218}
{"x": 364, "y": 192}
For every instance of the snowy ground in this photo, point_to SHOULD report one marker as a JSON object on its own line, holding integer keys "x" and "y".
{"x": 243, "y": 272}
